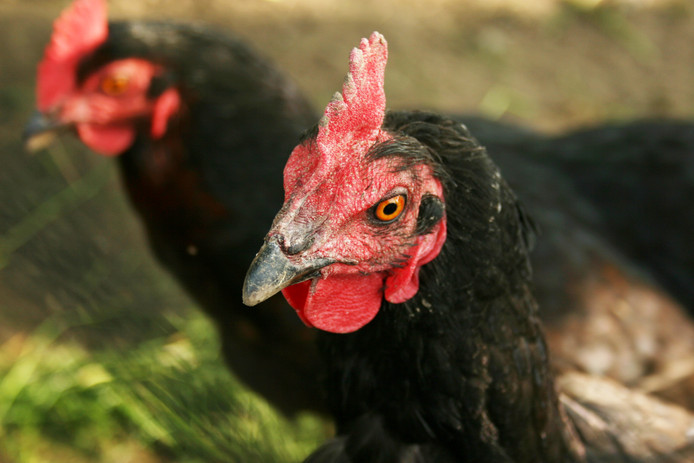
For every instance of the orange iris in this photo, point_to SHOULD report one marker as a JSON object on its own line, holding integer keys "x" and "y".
{"x": 390, "y": 208}
{"x": 114, "y": 85}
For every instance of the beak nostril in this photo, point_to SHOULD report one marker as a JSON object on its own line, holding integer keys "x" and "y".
{"x": 299, "y": 246}
{"x": 293, "y": 247}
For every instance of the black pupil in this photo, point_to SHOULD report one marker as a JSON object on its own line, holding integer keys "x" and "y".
{"x": 390, "y": 209}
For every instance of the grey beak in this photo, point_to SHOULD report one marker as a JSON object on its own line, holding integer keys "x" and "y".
{"x": 271, "y": 272}
{"x": 40, "y": 131}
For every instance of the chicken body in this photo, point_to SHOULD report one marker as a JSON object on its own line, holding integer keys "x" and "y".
{"x": 634, "y": 176}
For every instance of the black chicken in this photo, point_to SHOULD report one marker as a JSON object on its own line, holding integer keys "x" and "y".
{"x": 201, "y": 126}
{"x": 400, "y": 238}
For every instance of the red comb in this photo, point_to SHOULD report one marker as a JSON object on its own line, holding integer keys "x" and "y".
{"x": 79, "y": 30}
{"x": 361, "y": 107}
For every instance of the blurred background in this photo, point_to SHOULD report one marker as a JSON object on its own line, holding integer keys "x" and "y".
{"x": 103, "y": 358}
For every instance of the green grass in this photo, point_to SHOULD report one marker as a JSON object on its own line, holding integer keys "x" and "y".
{"x": 167, "y": 399}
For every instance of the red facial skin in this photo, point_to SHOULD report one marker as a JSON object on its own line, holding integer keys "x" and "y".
{"x": 105, "y": 107}
{"x": 105, "y": 120}
{"x": 374, "y": 261}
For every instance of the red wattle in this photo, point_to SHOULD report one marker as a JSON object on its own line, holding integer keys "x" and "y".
{"x": 106, "y": 140}
{"x": 296, "y": 297}
{"x": 338, "y": 303}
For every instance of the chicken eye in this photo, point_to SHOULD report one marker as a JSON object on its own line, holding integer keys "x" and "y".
{"x": 114, "y": 85}
{"x": 390, "y": 209}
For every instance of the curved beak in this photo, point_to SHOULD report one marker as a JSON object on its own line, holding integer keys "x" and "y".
{"x": 271, "y": 271}
{"x": 41, "y": 131}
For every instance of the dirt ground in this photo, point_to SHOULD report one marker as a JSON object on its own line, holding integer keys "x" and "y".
{"x": 70, "y": 247}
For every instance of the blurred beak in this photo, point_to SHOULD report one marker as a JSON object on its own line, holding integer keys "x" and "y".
{"x": 271, "y": 271}
{"x": 41, "y": 131}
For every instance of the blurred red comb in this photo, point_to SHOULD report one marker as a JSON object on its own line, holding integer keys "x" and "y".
{"x": 79, "y": 30}
{"x": 362, "y": 104}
